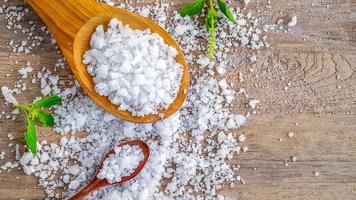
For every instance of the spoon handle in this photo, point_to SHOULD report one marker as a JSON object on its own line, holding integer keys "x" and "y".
{"x": 95, "y": 185}
{"x": 64, "y": 18}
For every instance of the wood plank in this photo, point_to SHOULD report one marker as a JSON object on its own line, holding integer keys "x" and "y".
{"x": 317, "y": 57}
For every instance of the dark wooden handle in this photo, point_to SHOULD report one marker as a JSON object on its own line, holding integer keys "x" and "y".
{"x": 95, "y": 185}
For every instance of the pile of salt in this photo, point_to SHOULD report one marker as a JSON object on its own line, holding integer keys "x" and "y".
{"x": 135, "y": 69}
{"x": 121, "y": 164}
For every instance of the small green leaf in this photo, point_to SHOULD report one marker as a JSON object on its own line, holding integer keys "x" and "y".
{"x": 226, "y": 11}
{"x": 46, "y": 119}
{"x": 31, "y": 136}
{"x": 210, "y": 20}
{"x": 192, "y": 8}
{"x": 47, "y": 102}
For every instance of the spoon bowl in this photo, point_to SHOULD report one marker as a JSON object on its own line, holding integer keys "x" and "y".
{"x": 97, "y": 183}
{"x": 72, "y": 23}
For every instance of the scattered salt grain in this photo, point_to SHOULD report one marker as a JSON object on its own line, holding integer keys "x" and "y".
{"x": 294, "y": 158}
{"x": 253, "y": 59}
{"x": 245, "y": 149}
{"x": 203, "y": 61}
{"x": 253, "y": 103}
{"x": 25, "y": 70}
{"x": 290, "y": 134}
{"x": 221, "y": 69}
{"x": 293, "y": 21}
{"x": 316, "y": 174}
{"x": 242, "y": 138}
{"x": 246, "y": 1}
{"x": 8, "y": 95}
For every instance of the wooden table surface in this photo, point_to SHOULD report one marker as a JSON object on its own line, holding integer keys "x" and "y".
{"x": 318, "y": 58}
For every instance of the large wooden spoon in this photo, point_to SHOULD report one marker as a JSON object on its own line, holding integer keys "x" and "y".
{"x": 72, "y": 22}
{"x": 96, "y": 183}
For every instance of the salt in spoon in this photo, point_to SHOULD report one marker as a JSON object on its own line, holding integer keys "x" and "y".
{"x": 97, "y": 183}
{"x": 72, "y": 23}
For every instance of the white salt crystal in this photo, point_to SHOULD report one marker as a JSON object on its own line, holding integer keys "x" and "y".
{"x": 246, "y": 1}
{"x": 245, "y": 149}
{"x": 221, "y": 69}
{"x": 241, "y": 22}
{"x": 74, "y": 170}
{"x": 24, "y": 71}
{"x": 28, "y": 170}
{"x": 231, "y": 124}
{"x": 242, "y": 138}
{"x": 114, "y": 195}
{"x": 203, "y": 62}
{"x": 240, "y": 120}
{"x": 290, "y": 134}
{"x": 74, "y": 184}
{"x": 46, "y": 90}
{"x": 223, "y": 84}
{"x": 144, "y": 12}
{"x": 44, "y": 157}
{"x": 66, "y": 178}
{"x": 294, "y": 158}
{"x": 26, "y": 158}
{"x": 253, "y": 59}
{"x": 253, "y": 103}
{"x": 35, "y": 161}
{"x": 8, "y": 95}
{"x": 181, "y": 29}
{"x": 293, "y": 21}
{"x": 316, "y": 174}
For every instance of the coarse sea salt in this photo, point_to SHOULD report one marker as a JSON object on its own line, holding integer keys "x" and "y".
{"x": 135, "y": 69}
{"x": 121, "y": 163}
{"x": 293, "y": 21}
{"x": 8, "y": 95}
{"x": 190, "y": 151}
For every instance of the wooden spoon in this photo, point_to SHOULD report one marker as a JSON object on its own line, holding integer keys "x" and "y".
{"x": 72, "y": 23}
{"x": 96, "y": 183}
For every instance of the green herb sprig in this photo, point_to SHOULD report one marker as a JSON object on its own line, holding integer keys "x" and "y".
{"x": 197, "y": 6}
{"x": 34, "y": 113}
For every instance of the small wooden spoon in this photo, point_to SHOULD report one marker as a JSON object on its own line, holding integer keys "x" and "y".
{"x": 72, "y": 22}
{"x": 96, "y": 183}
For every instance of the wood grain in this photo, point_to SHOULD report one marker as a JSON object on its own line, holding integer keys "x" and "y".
{"x": 317, "y": 57}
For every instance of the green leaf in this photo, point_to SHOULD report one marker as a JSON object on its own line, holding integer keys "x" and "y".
{"x": 226, "y": 11}
{"x": 210, "y": 20}
{"x": 47, "y": 102}
{"x": 192, "y": 8}
{"x": 31, "y": 136}
{"x": 46, "y": 119}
